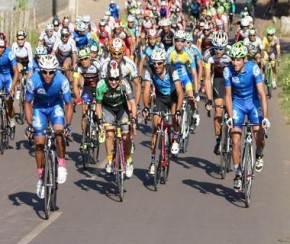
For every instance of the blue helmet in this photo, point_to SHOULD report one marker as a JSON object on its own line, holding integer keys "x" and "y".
{"x": 87, "y": 97}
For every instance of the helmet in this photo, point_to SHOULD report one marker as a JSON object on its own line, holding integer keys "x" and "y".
{"x": 245, "y": 22}
{"x": 81, "y": 26}
{"x": 21, "y": 33}
{"x": 220, "y": 38}
{"x": 152, "y": 33}
{"x": 86, "y": 18}
{"x": 102, "y": 22}
{"x": 138, "y": 11}
{"x": 130, "y": 18}
{"x": 253, "y": 31}
{"x": 55, "y": 22}
{"x": 201, "y": 24}
{"x": 158, "y": 54}
{"x": 49, "y": 27}
{"x": 117, "y": 45}
{"x": 117, "y": 24}
{"x": 250, "y": 19}
{"x": 167, "y": 22}
{"x": 48, "y": 62}
{"x": 3, "y": 41}
{"x": 114, "y": 70}
{"x": 238, "y": 50}
{"x": 180, "y": 34}
{"x": 163, "y": 3}
{"x": 188, "y": 37}
{"x": 40, "y": 50}
{"x": 220, "y": 10}
{"x": 209, "y": 13}
{"x": 87, "y": 97}
{"x": 177, "y": 10}
{"x": 207, "y": 26}
{"x": 94, "y": 48}
{"x": 270, "y": 30}
{"x": 79, "y": 19}
{"x": 64, "y": 31}
{"x": 84, "y": 53}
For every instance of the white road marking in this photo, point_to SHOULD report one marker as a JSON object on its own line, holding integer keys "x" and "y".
{"x": 39, "y": 228}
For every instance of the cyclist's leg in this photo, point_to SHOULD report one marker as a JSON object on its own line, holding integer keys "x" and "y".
{"x": 9, "y": 101}
{"x": 67, "y": 65}
{"x": 273, "y": 63}
{"x": 175, "y": 123}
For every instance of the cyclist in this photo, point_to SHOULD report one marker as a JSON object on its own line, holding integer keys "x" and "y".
{"x": 103, "y": 32}
{"x": 114, "y": 97}
{"x": 169, "y": 97}
{"x": 129, "y": 70}
{"x": 221, "y": 20}
{"x": 48, "y": 38}
{"x": 39, "y": 51}
{"x": 273, "y": 50}
{"x": 81, "y": 35}
{"x": 130, "y": 6}
{"x": 184, "y": 62}
{"x": 204, "y": 42}
{"x": 56, "y": 26}
{"x": 245, "y": 95}
{"x": 86, "y": 76}
{"x": 166, "y": 33}
{"x": 243, "y": 31}
{"x": 46, "y": 93}
{"x": 65, "y": 51}
{"x": 215, "y": 60}
{"x": 23, "y": 53}
{"x": 114, "y": 9}
{"x": 9, "y": 76}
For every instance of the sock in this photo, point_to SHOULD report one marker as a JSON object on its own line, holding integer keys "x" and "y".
{"x": 40, "y": 172}
{"x": 12, "y": 122}
{"x": 218, "y": 138}
{"x": 109, "y": 159}
{"x": 175, "y": 136}
{"x": 152, "y": 158}
{"x": 259, "y": 153}
{"x": 128, "y": 159}
{"x": 61, "y": 162}
{"x": 237, "y": 169}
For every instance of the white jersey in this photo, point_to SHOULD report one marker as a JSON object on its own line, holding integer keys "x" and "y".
{"x": 47, "y": 41}
{"x": 254, "y": 47}
{"x": 64, "y": 49}
{"x": 23, "y": 54}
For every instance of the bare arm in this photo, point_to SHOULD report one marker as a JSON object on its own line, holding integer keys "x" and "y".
{"x": 179, "y": 91}
{"x": 146, "y": 94}
{"x": 138, "y": 89}
{"x": 207, "y": 82}
{"x": 263, "y": 98}
{"x": 28, "y": 112}
{"x": 68, "y": 112}
{"x": 228, "y": 100}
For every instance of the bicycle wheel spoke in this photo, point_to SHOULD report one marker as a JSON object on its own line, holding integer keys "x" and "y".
{"x": 47, "y": 182}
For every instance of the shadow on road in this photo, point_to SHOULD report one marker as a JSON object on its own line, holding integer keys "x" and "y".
{"x": 210, "y": 168}
{"x": 24, "y": 144}
{"x": 29, "y": 199}
{"x": 142, "y": 174}
{"x": 217, "y": 189}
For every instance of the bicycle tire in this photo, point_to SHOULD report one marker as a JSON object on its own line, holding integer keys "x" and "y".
{"x": 47, "y": 182}
{"x": 21, "y": 104}
{"x": 184, "y": 139}
{"x": 1, "y": 133}
{"x": 158, "y": 160}
{"x": 223, "y": 153}
{"x": 247, "y": 174}
{"x": 85, "y": 152}
{"x": 54, "y": 181}
{"x": 6, "y": 129}
{"x": 166, "y": 159}
{"x": 269, "y": 78}
{"x": 95, "y": 149}
{"x": 119, "y": 171}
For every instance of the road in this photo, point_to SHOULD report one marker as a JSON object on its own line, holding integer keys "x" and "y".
{"x": 195, "y": 206}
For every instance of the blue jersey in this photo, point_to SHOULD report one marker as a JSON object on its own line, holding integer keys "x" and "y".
{"x": 114, "y": 9}
{"x": 35, "y": 66}
{"x": 148, "y": 49}
{"x": 81, "y": 40}
{"x": 7, "y": 62}
{"x": 243, "y": 84}
{"x": 166, "y": 85}
{"x": 48, "y": 95}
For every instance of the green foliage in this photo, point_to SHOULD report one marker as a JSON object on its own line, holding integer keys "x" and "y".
{"x": 284, "y": 83}
{"x": 22, "y": 5}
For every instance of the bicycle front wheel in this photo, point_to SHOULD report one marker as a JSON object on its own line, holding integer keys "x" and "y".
{"x": 54, "y": 166}
{"x": 21, "y": 104}
{"x": 95, "y": 148}
{"x": 158, "y": 161}
{"x": 119, "y": 172}
{"x": 166, "y": 158}
{"x": 1, "y": 133}
{"x": 85, "y": 149}
{"x": 248, "y": 173}
{"x": 47, "y": 182}
{"x": 225, "y": 153}
{"x": 269, "y": 80}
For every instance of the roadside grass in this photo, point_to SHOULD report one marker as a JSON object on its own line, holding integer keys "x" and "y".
{"x": 284, "y": 84}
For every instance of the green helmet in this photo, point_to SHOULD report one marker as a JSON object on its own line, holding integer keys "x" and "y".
{"x": 238, "y": 50}
{"x": 270, "y": 30}
{"x": 84, "y": 53}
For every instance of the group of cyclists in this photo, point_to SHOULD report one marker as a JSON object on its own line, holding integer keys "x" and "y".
{"x": 155, "y": 47}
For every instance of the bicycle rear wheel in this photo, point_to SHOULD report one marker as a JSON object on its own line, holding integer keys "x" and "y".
{"x": 21, "y": 104}
{"x": 248, "y": 173}
{"x": 85, "y": 150}
{"x": 95, "y": 148}
{"x": 1, "y": 133}
{"x": 54, "y": 167}
{"x": 269, "y": 78}
{"x": 47, "y": 182}
{"x": 225, "y": 155}
{"x": 185, "y": 127}
{"x": 119, "y": 172}
{"x": 166, "y": 158}
{"x": 158, "y": 161}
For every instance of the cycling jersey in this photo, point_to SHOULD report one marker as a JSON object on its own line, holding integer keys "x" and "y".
{"x": 48, "y": 42}
{"x": 182, "y": 62}
{"x": 7, "y": 62}
{"x": 166, "y": 38}
{"x": 164, "y": 86}
{"x": 90, "y": 74}
{"x": 64, "y": 49}
{"x": 113, "y": 97}
{"x": 23, "y": 55}
{"x": 244, "y": 92}
{"x": 35, "y": 66}
{"x": 253, "y": 47}
{"x": 103, "y": 35}
{"x": 270, "y": 47}
{"x": 205, "y": 42}
{"x": 81, "y": 40}
{"x": 114, "y": 9}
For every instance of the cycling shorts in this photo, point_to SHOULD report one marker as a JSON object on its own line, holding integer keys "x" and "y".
{"x": 41, "y": 117}
{"x": 164, "y": 103}
{"x": 252, "y": 109}
{"x": 218, "y": 88}
{"x": 5, "y": 82}
{"x": 120, "y": 113}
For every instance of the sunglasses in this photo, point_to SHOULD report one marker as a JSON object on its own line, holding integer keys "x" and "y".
{"x": 66, "y": 36}
{"x": 46, "y": 72}
{"x": 157, "y": 63}
{"x": 252, "y": 35}
{"x": 117, "y": 54}
{"x": 219, "y": 48}
{"x": 86, "y": 58}
{"x": 270, "y": 35}
{"x": 113, "y": 79}
{"x": 2, "y": 47}
{"x": 20, "y": 39}
{"x": 179, "y": 40}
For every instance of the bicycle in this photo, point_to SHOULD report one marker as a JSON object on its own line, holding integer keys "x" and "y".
{"x": 163, "y": 146}
{"x": 22, "y": 94}
{"x": 186, "y": 122}
{"x": 269, "y": 78}
{"x": 4, "y": 122}
{"x": 119, "y": 161}
{"x": 247, "y": 161}
{"x": 90, "y": 142}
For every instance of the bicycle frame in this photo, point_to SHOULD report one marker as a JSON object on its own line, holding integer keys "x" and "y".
{"x": 4, "y": 123}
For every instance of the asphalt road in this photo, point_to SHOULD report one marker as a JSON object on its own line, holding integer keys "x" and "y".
{"x": 195, "y": 206}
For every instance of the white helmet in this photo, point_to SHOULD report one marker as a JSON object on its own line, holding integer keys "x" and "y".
{"x": 81, "y": 26}
{"x": 188, "y": 37}
{"x": 94, "y": 48}
{"x": 180, "y": 34}
{"x": 137, "y": 11}
{"x": 166, "y": 22}
{"x": 152, "y": 33}
{"x": 158, "y": 54}
{"x": 48, "y": 62}
{"x": 86, "y": 18}
{"x": 245, "y": 22}
{"x": 40, "y": 50}
{"x": 252, "y": 31}
{"x": 49, "y": 27}
{"x": 220, "y": 38}
{"x": 250, "y": 19}
{"x": 130, "y": 18}
{"x": 64, "y": 31}
{"x": 79, "y": 19}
